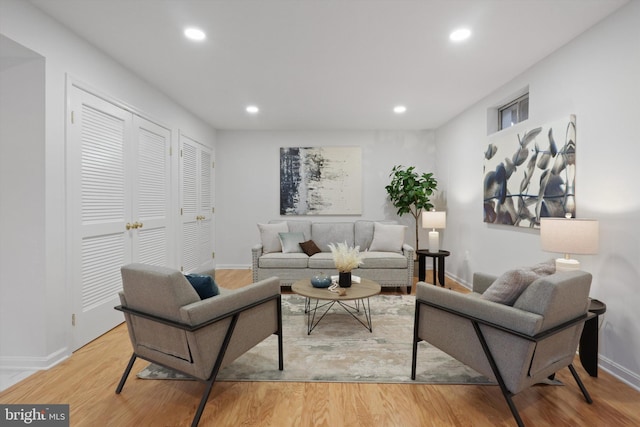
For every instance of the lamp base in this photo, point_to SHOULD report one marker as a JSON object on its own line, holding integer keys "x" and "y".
{"x": 564, "y": 264}
{"x": 434, "y": 241}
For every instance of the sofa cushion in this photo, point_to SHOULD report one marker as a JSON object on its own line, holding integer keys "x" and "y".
{"x": 269, "y": 236}
{"x": 322, "y": 260}
{"x": 309, "y": 247}
{"x": 507, "y": 288}
{"x": 291, "y": 242}
{"x": 324, "y": 233}
{"x": 388, "y": 237}
{"x": 281, "y": 260}
{"x": 383, "y": 260}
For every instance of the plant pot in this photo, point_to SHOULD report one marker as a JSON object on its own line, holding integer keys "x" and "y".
{"x": 344, "y": 279}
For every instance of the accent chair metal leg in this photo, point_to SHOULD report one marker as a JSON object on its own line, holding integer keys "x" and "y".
{"x": 415, "y": 341}
{"x": 203, "y": 402}
{"x": 496, "y": 372}
{"x": 280, "y": 347}
{"x": 580, "y": 384}
{"x": 126, "y": 373}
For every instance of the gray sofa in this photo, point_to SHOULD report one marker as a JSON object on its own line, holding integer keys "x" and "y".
{"x": 390, "y": 263}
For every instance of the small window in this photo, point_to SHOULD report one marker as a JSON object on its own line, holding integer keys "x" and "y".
{"x": 514, "y": 112}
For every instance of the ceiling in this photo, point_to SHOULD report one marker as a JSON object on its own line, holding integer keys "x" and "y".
{"x": 328, "y": 64}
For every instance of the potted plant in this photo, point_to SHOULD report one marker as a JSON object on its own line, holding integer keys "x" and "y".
{"x": 409, "y": 192}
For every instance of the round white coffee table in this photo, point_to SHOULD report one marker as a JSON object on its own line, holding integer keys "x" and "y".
{"x": 357, "y": 296}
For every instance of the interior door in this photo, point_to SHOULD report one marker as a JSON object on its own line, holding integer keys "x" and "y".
{"x": 196, "y": 165}
{"x": 151, "y": 193}
{"x": 99, "y": 209}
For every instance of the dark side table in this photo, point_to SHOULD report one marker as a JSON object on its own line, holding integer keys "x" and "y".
{"x": 589, "y": 339}
{"x": 439, "y": 256}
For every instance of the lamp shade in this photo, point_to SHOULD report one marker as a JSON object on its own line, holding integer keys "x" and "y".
{"x": 434, "y": 219}
{"x": 569, "y": 235}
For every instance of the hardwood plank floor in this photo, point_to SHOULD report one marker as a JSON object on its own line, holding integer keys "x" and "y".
{"x": 87, "y": 382}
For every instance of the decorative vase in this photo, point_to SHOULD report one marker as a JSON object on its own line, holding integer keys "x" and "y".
{"x": 344, "y": 279}
{"x": 321, "y": 281}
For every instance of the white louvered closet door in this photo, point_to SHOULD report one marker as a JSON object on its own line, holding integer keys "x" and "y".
{"x": 151, "y": 193}
{"x": 119, "y": 204}
{"x": 99, "y": 209}
{"x": 196, "y": 197}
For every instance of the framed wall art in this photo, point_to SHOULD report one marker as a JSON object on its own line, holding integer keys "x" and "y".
{"x": 320, "y": 181}
{"x": 531, "y": 174}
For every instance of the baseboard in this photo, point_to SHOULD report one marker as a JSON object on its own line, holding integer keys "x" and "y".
{"x": 233, "y": 267}
{"x": 459, "y": 281}
{"x": 31, "y": 363}
{"x": 620, "y": 372}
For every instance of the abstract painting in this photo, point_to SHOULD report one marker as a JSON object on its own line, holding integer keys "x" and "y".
{"x": 530, "y": 175}
{"x": 320, "y": 181}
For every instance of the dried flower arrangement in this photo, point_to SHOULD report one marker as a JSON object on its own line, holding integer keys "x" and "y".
{"x": 346, "y": 258}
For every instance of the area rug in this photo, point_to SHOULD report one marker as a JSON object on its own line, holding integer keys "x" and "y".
{"x": 340, "y": 349}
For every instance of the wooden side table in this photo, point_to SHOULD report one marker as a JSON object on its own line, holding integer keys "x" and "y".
{"x": 588, "y": 347}
{"x": 439, "y": 256}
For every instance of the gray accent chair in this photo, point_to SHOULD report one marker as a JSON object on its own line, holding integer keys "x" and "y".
{"x": 517, "y": 346}
{"x": 169, "y": 325}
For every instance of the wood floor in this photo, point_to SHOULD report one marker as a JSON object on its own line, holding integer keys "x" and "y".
{"x": 87, "y": 381}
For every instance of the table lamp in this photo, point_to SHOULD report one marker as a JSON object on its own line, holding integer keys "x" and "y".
{"x": 569, "y": 236}
{"x": 434, "y": 219}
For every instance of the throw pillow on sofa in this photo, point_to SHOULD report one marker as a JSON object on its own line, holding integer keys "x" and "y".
{"x": 507, "y": 288}
{"x": 291, "y": 242}
{"x": 387, "y": 237}
{"x": 270, "y": 238}
{"x": 309, "y": 247}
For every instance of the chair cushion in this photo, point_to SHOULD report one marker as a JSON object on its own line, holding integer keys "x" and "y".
{"x": 269, "y": 236}
{"x": 388, "y": 237}
{"x": 204, "y": 285}
{"x": 291, "y": 242}
{"x": 309, "y": 247}
{"x": 507, "y": 288}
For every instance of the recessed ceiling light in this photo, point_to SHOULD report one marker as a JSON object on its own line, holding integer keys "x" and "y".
{"x": 460, "y": 34}
{"x": 195, "y": 34}
{"x": 399, "y": 109}
{"x": 252, "y": 109}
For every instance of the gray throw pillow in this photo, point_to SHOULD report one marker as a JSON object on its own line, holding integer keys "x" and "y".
{"x": 387, "y": 237}
{"x": 507, "y": 288}
{"x": 291, "y": 242}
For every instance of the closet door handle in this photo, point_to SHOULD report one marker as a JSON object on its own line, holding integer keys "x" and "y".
{"x": 138, "y": 224}
{"x": 129, "y": 226}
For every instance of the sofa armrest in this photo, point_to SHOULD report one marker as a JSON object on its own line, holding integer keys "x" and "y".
{"x": 482, "y": 281}
{"x": 218, "y": 306}
{"x": 471, "y": 305}
{"x": 406, "y": 249}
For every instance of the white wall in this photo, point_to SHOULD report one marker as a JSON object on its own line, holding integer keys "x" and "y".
{"x": 67, "y": 55}
{"x": 596, "y": 77}
{"x": 22, "y": 196}
{"x": 248, "y": 178}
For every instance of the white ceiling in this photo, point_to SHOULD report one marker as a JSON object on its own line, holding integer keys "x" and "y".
{"x": 328, "y": 64}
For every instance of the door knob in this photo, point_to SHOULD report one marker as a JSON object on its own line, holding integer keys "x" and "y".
{"x": 128, "y": 226}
